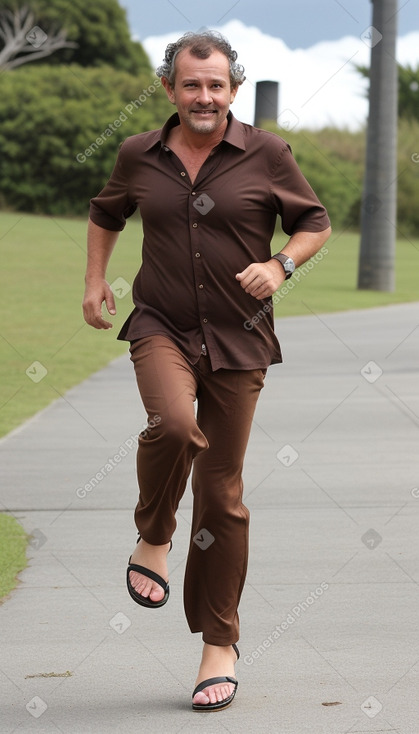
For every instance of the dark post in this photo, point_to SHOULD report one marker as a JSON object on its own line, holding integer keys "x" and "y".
{"x": 266, "y": 107}
{"x": 378, "y": 213}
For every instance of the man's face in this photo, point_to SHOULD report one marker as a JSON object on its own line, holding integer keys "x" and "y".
{"x": 202, "y": 91}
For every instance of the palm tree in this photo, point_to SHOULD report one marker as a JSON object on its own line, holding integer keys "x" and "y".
{"x": 378, "y": 212}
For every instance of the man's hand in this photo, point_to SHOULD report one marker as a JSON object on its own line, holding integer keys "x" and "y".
{"x": 261, "y": 280}
{"x": 96, "y": 292}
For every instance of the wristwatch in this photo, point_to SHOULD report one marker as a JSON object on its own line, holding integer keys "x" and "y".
{"x": 287, "y": 263}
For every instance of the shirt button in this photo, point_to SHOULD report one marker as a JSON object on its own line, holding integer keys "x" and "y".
{"x": 200, "y": 285}
{"x": 165, "y": 148}
{"x": 193, "y": 193}
{"x": 205, "y": 321}
{"x": 194, "y": 225}
{"x": 182, "y": 173}
{"x": 197, "y": 254}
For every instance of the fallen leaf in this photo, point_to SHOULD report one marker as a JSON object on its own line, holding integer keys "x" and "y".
{"x": 67, "y": 674}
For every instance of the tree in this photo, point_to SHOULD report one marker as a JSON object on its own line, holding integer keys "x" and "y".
{"x": 408, "y": 84}
{"x": 23, "y": 41}
{"x": 98, "y": 32}
{"x": 378, "y": 211}
{"x": 60, "y": 129}
{"x": 409, "y": 92}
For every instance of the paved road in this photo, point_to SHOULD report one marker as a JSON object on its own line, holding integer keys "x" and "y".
{"x": 330, "y": 610}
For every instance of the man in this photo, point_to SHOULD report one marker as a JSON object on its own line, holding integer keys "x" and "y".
{"x": 209, "y": 190}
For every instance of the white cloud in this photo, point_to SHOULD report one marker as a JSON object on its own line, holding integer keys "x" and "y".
{"x": 320, "y": 84}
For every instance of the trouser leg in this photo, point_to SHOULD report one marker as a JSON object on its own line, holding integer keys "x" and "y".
{"x": 217, "y": 560}
{"x": 167, "y": 447}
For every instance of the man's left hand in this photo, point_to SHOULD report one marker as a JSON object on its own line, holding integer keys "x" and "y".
{"x": 261, "y": 280}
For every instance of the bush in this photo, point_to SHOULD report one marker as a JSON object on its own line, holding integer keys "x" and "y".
{"x": 60, "y": 128}
{"x": 408, "y": 179}
{"x": 333, "y": 161}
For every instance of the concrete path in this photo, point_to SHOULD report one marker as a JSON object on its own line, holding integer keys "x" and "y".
{"x": 330, "y": 634}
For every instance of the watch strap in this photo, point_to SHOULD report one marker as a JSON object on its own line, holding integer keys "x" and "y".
{"x": 282, "y": 258}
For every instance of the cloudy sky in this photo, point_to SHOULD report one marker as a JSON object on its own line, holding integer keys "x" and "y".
{"x": 310, "y": 46}
{"x": 299, "y": 23}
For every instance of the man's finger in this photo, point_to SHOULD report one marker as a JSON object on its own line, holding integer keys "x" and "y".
{"x": 110, "y": 303}
{"x": 247, "y": 279}
{"x": 255, "y": 285}
{"x": 95, "y": 319}
{"x": 246, "y": 272}
{"x": 100, "y": 323}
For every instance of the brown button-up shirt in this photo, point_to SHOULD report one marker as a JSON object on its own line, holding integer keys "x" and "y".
{"x": 197, "y": 237}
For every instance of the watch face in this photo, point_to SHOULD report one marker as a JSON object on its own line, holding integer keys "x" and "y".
{"x": 289, "y": 265}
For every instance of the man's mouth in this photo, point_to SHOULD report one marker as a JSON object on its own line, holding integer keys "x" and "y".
{"x": 204, "y": 112}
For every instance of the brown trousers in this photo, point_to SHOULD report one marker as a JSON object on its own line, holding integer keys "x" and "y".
{"x": 215, "y": 443}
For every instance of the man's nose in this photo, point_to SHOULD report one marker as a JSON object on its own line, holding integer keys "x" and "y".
{"x": 204, "y": 96}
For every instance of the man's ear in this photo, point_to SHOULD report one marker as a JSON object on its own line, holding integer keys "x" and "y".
{"x": 233, "y": 93}
{"x": 169, "y": 89}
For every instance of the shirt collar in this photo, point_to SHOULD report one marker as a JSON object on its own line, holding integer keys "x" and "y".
{"x": 234, "y": 134}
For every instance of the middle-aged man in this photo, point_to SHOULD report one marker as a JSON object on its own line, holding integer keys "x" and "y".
{"x": 209, "y": 189}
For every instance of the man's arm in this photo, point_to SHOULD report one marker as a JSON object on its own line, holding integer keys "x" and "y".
{"x": 100, "y": 244}
{"x": 261, "y": 280}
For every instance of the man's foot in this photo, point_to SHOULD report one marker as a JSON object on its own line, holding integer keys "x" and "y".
{"x": 153, "y": 557}
{"x": 216, "y": 661}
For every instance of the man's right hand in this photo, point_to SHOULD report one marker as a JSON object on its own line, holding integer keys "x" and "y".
{"x": 95, "y": 294}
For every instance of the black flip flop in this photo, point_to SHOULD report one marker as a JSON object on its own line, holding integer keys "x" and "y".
{"x": 219, "y": 705}
{"x": 145, "y": 601}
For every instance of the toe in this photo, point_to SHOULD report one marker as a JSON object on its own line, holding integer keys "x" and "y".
{"x": 201, "y": 698}
{"x": 138, "y": 582}
{"x": 146, "y": 587}
{"x": 213, "y": 694}
{"x": 220, "y": 693}
{"x": 156, "y": 594}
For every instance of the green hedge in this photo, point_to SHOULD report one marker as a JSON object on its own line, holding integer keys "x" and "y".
{"x": 333, "y": 161}
{"x": 60, "y": 129}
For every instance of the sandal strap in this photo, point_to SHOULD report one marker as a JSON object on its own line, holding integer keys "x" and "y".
{"x": 150, "y": 575}
{"x": 213, "y": 681}
{"x": 236, "y": 650}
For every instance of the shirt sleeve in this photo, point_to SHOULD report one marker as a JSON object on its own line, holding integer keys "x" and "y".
{"x": 295, "y": 201}
{"x": 111, "y": 208}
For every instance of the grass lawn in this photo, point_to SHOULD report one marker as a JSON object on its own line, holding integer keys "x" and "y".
{"x": 12, "y": 553}
{"x": 42, "y": 288}
{"x": 43, "y": 261}
{"x": 331, "y": 285}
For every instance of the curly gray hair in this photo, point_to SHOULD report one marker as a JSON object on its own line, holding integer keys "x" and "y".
{"x": 201, "y": 44}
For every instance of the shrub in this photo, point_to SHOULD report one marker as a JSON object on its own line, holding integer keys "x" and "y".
{"x": 50, "y": 118}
